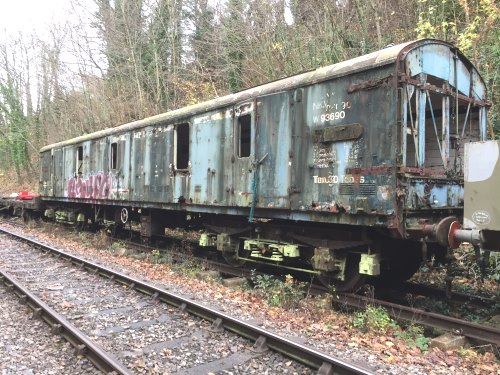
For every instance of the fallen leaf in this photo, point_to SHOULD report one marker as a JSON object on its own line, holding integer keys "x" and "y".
{"x": 488, "y": 368}
{"x": 389, "y": 359}
{"x": 66, "y": 305}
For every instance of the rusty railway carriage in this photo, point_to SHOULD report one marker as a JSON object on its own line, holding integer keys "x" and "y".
{"x": 347, "y": 171}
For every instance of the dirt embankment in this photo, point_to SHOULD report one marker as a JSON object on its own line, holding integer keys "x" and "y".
{"x": 10, "y": 183}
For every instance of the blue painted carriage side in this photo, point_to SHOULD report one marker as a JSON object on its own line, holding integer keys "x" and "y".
{"x": 349, "y": 179}
{"x": 273, "y": 148}
{"x": 118, "y": 187}
{"x": 422, "y": 194}
{"x": 439, "y": 61}
{"x": 421, "y": 120}
{"x": 242, "y": 168}
{"x": 207, "y": 149}
{"x": 137, "y": 166}
{"x": 343, "y": 176}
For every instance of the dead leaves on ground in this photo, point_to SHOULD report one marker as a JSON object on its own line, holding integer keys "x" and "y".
{"x": 320, "y": 324}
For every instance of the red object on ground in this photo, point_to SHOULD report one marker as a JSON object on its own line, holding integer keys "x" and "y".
{"x": 24, "y": 195}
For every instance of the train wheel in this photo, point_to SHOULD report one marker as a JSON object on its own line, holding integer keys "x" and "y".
{"x": 353, "y": 280}
{"x": 401, "y": 260}
{"x": 26, "y": 216}
{"x": 231, "y": 248}
{"x": 80, "y": 226}
{"x": 233, "y": 259}
{"x": 115, "y": 229}
{"x": 46, "y": 219}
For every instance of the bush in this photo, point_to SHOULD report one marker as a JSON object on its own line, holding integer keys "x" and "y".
{"x": 155, "y": 256}
{"x": 495, "y": 266}
{"x": 414, "y": 337}
{"x": 374, "y": 318}
{"x": 287, "y": 294}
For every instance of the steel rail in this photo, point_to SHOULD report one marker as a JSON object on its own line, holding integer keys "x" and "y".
{"x": 471, "y": 330}
{"x": 325, "y": 364}
{"x": 480, "y": 301}
{"x": 475, "y": 331}
{"x": 59, "y": 325}
{"x": 479, "y": 332}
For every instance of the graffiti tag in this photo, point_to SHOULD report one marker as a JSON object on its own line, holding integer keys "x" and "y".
{"x": 97, "y": 186}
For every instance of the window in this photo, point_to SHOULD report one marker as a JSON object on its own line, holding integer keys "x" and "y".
{"x": 114, "y": 155}
{"x": 436, "y": 125}
{"x": 79, "y": 161}
{"x": 182, "y": 146}
{"x": 244, "y": 135}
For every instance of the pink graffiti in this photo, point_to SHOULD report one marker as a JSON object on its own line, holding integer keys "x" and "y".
{"x": 96, "y": 186}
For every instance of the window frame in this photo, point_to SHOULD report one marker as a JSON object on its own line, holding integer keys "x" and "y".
{"x": 180, "y": 151}
{"x": 113, "y": 156}
{"x": 79, "y": 161}
{"x": 246, "y": 135}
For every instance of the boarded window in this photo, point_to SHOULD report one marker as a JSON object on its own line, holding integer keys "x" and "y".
{"x": 114, "y": 156}
{"x": 182, "y": 146}
{"x": 244, "y": 135}
{"x": 79, "y": 161}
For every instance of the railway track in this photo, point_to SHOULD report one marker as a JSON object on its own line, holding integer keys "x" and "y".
{"x": 60, "y": 325}
{"x": 477, "y": 332}
{"x": 28, "y": 345}
{"x": 441, "y": 294}
{"x": 124, "y": 324}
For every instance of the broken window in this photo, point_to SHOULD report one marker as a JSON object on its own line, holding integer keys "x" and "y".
{"x": 79, "y": 161}
{"x": 436, "y": 126}
{"x": 182, "y": 146}
{"x": 244, "y": 135}
{"x": 114, "y": 156}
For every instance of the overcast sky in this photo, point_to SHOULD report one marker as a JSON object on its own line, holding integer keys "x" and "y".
{"x": 29, "y": 15}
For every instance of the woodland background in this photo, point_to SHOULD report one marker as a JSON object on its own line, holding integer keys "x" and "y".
{"x": 122, "y": 60}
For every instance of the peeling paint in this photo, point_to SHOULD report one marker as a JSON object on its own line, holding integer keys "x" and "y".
{"x": 371, "y": 141}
